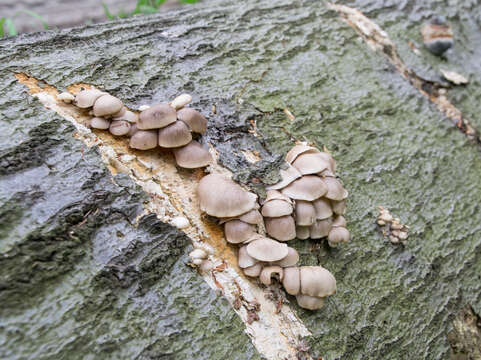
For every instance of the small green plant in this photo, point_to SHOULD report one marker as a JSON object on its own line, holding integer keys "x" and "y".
{"x": 143, "y": 7}
{"x": 10, "y": 26}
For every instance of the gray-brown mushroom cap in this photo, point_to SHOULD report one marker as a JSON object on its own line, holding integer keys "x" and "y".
{"x": 309, "y": 187}
{"x": 287, "y": 176}
{"x": 276, "y": 208}
{"x": 310, "y": 163}
{"x": 317, "y": 281}
{"x": 282, "y": 228}
{"x": 219, "y": 196}
{"x": 292, "y": 280}
{"x": 86, "y": 98}
{"x": 119, "y": 127}
{"x": 253, "y": 217}
{"x": 99, "y": 123}
{"x": 174, "y": 135}
{"x": 269, "y": 271}
{"x": 323, "y": 208}
{"x": 192, "y": 156}
{"x": 320, "y": 228}
{"x": 107, "y": 105}
{"x": 237, "y": 231}
{"x": 132, "y": 131}
{"x": 128, "y": 115}
{"x": 290, "y": 260}
{"x": 338, "y": 235}
{"x": 305, "y": 213}
{"x": 244, "y": 259}
{"x": 253, "y": 271}
{"x": 335, "y": 191}
{"x": 144, "y": 139}
{"x": 309, "y": 302}
{"x": 194, "y": 120}
{"x": 268, "y": 250}
{"x": 302, "y": 232}
{"x": 332, "y": 163}
{"x": 339, "y": 207}
{"x": 339, "y": 221}
{"x": 276, "y": 195}
{"x": 156, "y": 117}
{"x": 298, "y": 150}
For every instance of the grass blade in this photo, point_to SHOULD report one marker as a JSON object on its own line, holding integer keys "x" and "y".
{"x": 10, "y": 27}
{"x": 36, "y": 16}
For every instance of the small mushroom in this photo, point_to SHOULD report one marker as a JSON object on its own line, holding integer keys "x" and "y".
{"x": 310, "y": 163}
{"x": 198, "y": 254}
{"x": 267, "y": 250}
{"x": 292, "y": 280}
{"x": 305, "y": 213}
{"x": 221, "y": 197}
{"x": 143, "y": 107}
{"x": 144, "y": 139}
{"x": 298, "y": 150}
{"x": 281, "y": 228}
{"x": 276, "y": 195}
{"x": 287, "y": 176}
{"x": 107, "y": 105}
{"x": 302, "y": 232}
{"x": 119, "y": 127}
{"x": 320, "y": 228}
{"x": 328, "y": 158}
{"x": 339, "y": 221}
{"x": 157, "y": 117}
{"x": 86, "y": 98}
{"x": 338, "y": 235}
{"x": 253, "y": 217}
{"x": 309, "y": 187}
{"x": 192, "y": 156}
{"x": 339, "y": 207}
{"x": 269, "y": 271}
{"x": 66, "y": 97}
{"x": 100, "y": 123}
{"x": 237, "y": 231}
{"x": 194, "y": 120}
{"x": 323, "y": 208}
{"x": 244, "y": 259}
{"x": 309, "y": 302}
{"x": 335, "y": 191}
{"x": 253, "y": 271}
{"x": 128, "y": 115}
{"x": 276, "y": 208}
{"x": 120, "y": 113}
{"x": 180, "y": 101}
{"x": 174, "y": 135}
{"x": 290, "y": 260}
{"x": 132, "y": 131}
{"x": 317, "y": 281}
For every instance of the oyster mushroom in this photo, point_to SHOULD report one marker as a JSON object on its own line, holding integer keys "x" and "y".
{"x": 128, "y": 115}
{"x": 305, "y": 213}
{"x": 309, "y": 187}
{"x": 338, "y": 235}
{"x": 302, "y": 232}
{"x": 244, "y": 259}
{"x": 119, "y": 127}
{"x": 221, "y": 197}
{"x": 276, "y": 208}
{"x": 309, "y": 302}
{"x": 192, "y": 156}
{"x": 253, "y": 271}
{"x": 339, "y": 221}
{"x": 335, "y": 191}
{"x": 298, "y": 150}
{"x": 156, "y": 117}
{"x": 267, "y": 250}
{"x": 310, "y": 163}
{"x": 276, "y": 195}
{"x": 292, "y": 280}
{"x": 237, "y": 231}
{"x": 290, "y": 260}
{"x": 66, "y": 97}
{"x": 86, "y": 98}
{"x": 174, "y": 135}
{"x": 281, "y": 228}
{"x": 317, "y": 281}
{"x": 144, "y": 139}
{"x": 268, "y": 272}
{"x": 107, "y": 105}
{"x": 320, "y": 228}
{"x": 132, "y": 131}
{"x": 339, "y": 207}
{"x": 180, "y": 101}
{"x": 253, "y": 217}
{"x": 287, "y": 176}
{"x": 99, "y": 123}
{"x": 323, "y": 208}
{"x": 194, "y": 120}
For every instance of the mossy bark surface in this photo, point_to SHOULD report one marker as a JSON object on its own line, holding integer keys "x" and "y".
{"x": 80, "y": 279}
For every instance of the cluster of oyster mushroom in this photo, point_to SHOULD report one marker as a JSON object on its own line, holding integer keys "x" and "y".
{"x": 260, "y": 256}
{"x": 309, "y": 201}
{"x": 171, "y": 126}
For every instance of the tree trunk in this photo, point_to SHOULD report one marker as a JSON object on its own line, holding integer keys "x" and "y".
{"x": 85, "y": 272}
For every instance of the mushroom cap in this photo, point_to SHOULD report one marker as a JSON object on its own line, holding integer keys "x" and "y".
{"x": 290, "y": 260}
{"x": 253, "y": 217}
{"x": 244, "y": 259}
{"x": 287, "y": 176}
{"x": 281, "y": 228}
{"x": 317, "y": 281}
{"x": 119, "y": 127}
{"x": 338, "y": 235}
{"x": 267, "y": 273}
{"x": 192, "y": 156}
{"x": 310, "y": 163}
{"x": 276, "y": 208}
{"x": 144, "y": 139}
{"x": 237, "y": 231}
{"x": 309, "y": 187}
{"x": 99, "y": 123}
{"x": 326, "y": 173}
{"x": 298, "y": 150}
{"x": 323, "y": 208}
{"x": 219, "y": 196}
{"x": 305, "y": 213}
{"x": 276, "y": 195}
{"x": 198, "y": 254}
{"x": 339, "y": 207}
{"x": 292, "y": 280}
{"x": 120, "y": 113}
{"x": 107, "y": 105}
{"x": 129, "y": 116}
{"x": 266, "y": 249}
{"x": 194, "y": 120}
{"x": 180, "y": 101}
{"x": 335, "y": 191}
{"x": 86, "y": 98}
{"x": 132, "y": 131}
{"x": 302, "y": 232}
{"x": 156, "y": 117}
{"x": 328, "y": 158}
{"x": 320, "y": 228}
{"x": 174, "y": 135}
{"x": 253, "y": 271}
{"x": 339, "y": 221}
{"x": 309, "y": 302}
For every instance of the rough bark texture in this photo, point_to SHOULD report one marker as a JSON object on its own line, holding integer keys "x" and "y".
{"x": 80, "y": 277}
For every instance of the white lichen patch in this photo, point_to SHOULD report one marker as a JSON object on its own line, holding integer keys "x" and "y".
{"x": 391, "y": 227}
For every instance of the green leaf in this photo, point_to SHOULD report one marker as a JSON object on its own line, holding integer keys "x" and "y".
{"x": 10, "y": 27}
{"x": 147, "y": 9}
{"x": 188, "y": 1}
{"x": 159, "y": 2}
{"x": 2, "y": 33}
{"x": 107, "y": 12}
{"x": 36, "y": 16}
